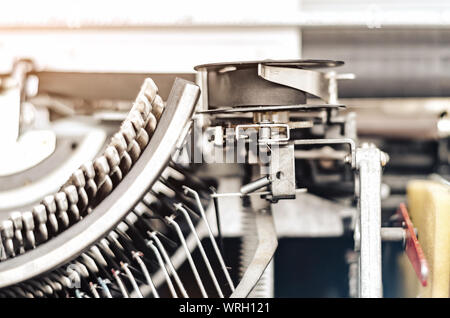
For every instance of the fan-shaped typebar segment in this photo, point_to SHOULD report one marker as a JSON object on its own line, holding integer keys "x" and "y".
{"x": 147, "y": 169}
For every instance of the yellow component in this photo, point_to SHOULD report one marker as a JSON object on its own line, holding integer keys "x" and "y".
{"x": 429, "y": 209}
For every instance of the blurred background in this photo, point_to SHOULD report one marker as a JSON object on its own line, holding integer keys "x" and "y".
{"x": 396, "y": 49}
{"x": 399, "y": 52}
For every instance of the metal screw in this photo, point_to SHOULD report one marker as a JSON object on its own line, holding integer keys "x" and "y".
{"x": 384, "y": 158}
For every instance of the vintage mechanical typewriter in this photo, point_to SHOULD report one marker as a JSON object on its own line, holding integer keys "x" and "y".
{"x": 132, "y": 185}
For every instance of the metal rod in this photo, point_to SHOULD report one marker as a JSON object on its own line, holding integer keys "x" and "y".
{"x": 218, "y": 223}
{"x": 104, "y": 288}
{"x": 256, "y": 185}
{"x": 239, "y": 194}
{"x": 136, "y": 256}
{"x": 188, "y": 255}
{"x": 332, "y": 141}
{"x": 393, "y": 234}
{"x": 169, "y": 263}
{"x": 163, "y": 268}
{"x": 211, "y": 236}
{"x": 131, "y": 278}
{"x": 119, "y": 282}
{"x": 93, "y": 290}
{"x": 179, "y": 207}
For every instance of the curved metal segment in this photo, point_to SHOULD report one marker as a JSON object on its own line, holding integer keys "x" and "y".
{"x": 147, "y": 169}
{"x": 267, "y": 244}
{"x": 243, "y": 87}
{"x": 309, "y": 81}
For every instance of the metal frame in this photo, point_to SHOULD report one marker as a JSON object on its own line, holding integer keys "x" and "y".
{"x": 368, "y": 223}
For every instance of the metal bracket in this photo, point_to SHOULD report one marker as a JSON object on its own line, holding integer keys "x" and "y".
{"x": 265, "y": 125}
{"x": 368, "y": 227}
{"x": 282, "y": 171}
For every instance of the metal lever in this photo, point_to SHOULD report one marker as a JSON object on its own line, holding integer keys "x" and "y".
{"x": 255, "y": 185}
{"x": 319, "y": 84}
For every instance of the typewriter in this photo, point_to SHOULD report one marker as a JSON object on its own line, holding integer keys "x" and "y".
{"x": 120, "y": 185}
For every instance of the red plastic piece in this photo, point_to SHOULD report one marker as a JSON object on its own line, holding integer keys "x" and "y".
{"x": 413, "y": 248}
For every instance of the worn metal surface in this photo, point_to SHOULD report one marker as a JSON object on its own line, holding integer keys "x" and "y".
{"x": 310, "y": 216}
{"x": 282, "y": 170}
{"x": 368, "y": 229}
{"x": 311, "y": 82}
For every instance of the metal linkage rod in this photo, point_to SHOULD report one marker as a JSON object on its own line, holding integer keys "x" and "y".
{"x": 179, "y": 207}
{"x": 137, "y": 257}
{"x": 171, "y": 221}
{"x": 211, "y": 235}
{"x": 163, "y": 268}
{"x": 169, "y": 263}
